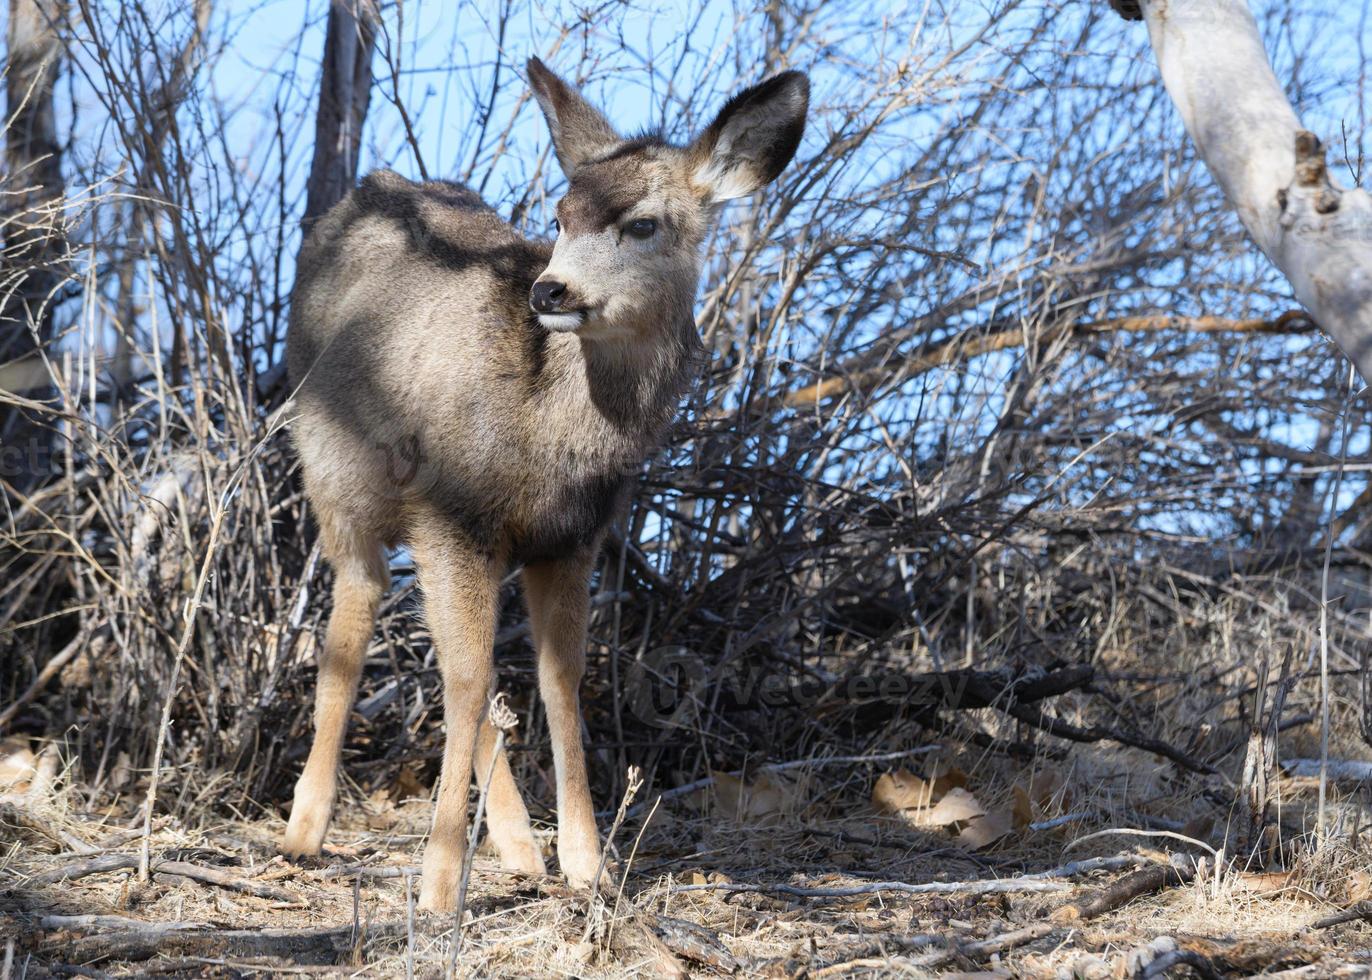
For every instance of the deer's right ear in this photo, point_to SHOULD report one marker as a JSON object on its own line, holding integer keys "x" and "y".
{"x": 578, "y": 129}
{"x": 752, "y": 139}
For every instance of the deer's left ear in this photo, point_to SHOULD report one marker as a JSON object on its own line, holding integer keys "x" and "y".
{"x": 752, "y": 139}
{"x": 579, "y": 129}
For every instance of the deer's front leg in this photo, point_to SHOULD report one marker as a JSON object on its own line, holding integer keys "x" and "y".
{"x": 460, "y": 592}
{"x": 558, "y": 597}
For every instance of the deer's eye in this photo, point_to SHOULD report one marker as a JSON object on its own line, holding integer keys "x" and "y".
{"x": 557, "y": 228}
{"x": 641, "y": 227}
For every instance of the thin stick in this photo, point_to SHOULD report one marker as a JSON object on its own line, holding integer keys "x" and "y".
{"x": 210, "y": 876}
{"x": 633, "y": 852}
{"x": 1363, "y": 910}
{"x": 504, "y": 720}
{"x": 983, "y": 948}
{"x": 1324, "y": 614}
{"x": 993, "y": 887}
{"x": 409, "y": 926}
{"x": 94, "y": 866}
{"x": 213, "y": 876}
{"x": 632, "y": 784}
{"x": 1134, "y": 885}
{"x": 1039, "y": 881}
{"x": 1134, "y": 832}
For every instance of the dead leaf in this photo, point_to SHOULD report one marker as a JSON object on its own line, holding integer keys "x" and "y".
{"x": 986, "y": 830}
{"x": 944, "y": 777}
{"x": 1022, "y": 808}
{"x": 1358, "y": 886}
{"x": 1042, "y": 796}
{"x": 407, "y": 786}
{"x": 1046, "y": 788}
{"x": 765, "y": 797}
{"x": 18, "y": 764}
{"x": 694, "y": 942}
{"x": 957, "y": 806}
{"x": 380, "y": 813}
{"x": 903, "y": 790}
{"x": 1262, "y": 882}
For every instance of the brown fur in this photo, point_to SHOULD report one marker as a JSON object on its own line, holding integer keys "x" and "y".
{"x": 434, "y": 410}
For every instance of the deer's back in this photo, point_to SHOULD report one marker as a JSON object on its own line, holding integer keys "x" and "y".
{"x": 413, "y": 352}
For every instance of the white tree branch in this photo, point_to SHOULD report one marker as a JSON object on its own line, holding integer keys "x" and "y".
{"x": 1273, "y": 171}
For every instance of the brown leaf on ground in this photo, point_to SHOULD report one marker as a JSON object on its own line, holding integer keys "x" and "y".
{"x": 1199, "y": 828}
{"x": 695, "y": 942}
{"x": 380, "y": 812}
{"x": 18, "y": 764}
{"x": 1263, "y": 882}
{"x": 903, "y": 790}
{"x": 1358, "y": 887}
{"x": 957, "y": 806}
{"x": 407, "y": 786}
{"x": 1022, "y": 808}
{"x": 944, "y": 777}
{"x": 766, "y": 797}
{"x": 985, "y": 830}
{"x": 1042, "y": 796}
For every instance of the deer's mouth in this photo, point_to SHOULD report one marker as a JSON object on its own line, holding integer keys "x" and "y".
{"x": 563, "y": 321}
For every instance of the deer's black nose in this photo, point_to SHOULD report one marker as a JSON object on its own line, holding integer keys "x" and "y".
{"x": 546, "y": 296}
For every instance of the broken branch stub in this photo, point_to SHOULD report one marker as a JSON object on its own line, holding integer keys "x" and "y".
{"x": 1272, "y": 169}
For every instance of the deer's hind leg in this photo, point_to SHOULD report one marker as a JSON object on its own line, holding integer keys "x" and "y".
{"x": 507, "y": 819}
{"x": 360, "y": 579}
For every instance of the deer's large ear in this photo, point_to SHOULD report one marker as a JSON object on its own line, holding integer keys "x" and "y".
{"x": 579, "y": 130}
{"x": 752, "y": 139}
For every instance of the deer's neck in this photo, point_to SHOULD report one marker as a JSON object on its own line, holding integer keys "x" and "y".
{"x": 612, "y": 400}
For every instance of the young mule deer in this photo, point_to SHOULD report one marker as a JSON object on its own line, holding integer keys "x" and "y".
{"x": 486, "y": 400}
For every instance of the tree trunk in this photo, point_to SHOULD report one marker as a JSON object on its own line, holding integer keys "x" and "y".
{"x": 1272, "y": 170}
{"x": 344, "y": 91}
{"x": 32, "y": 223}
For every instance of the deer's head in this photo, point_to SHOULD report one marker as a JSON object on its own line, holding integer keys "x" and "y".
{"x": 630, "y": 226}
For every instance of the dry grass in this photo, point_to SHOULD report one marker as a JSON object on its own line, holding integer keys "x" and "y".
{"x": 822, "y": 833}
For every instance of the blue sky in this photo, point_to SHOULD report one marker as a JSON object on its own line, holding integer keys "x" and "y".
{"x": 447, "y": 52}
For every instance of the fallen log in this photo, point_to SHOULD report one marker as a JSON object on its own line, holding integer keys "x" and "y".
{"x": 121, "y": 862}
{"x": 310, "y": 946}
{"x": 1341, "y": 770}
{"x": 990, "y": 886}
{"x": 1122, "y": 892}
{"x": 981, "y": 949}
{"x": 1363, "y": 910}
{"x": 694, "y": 941}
